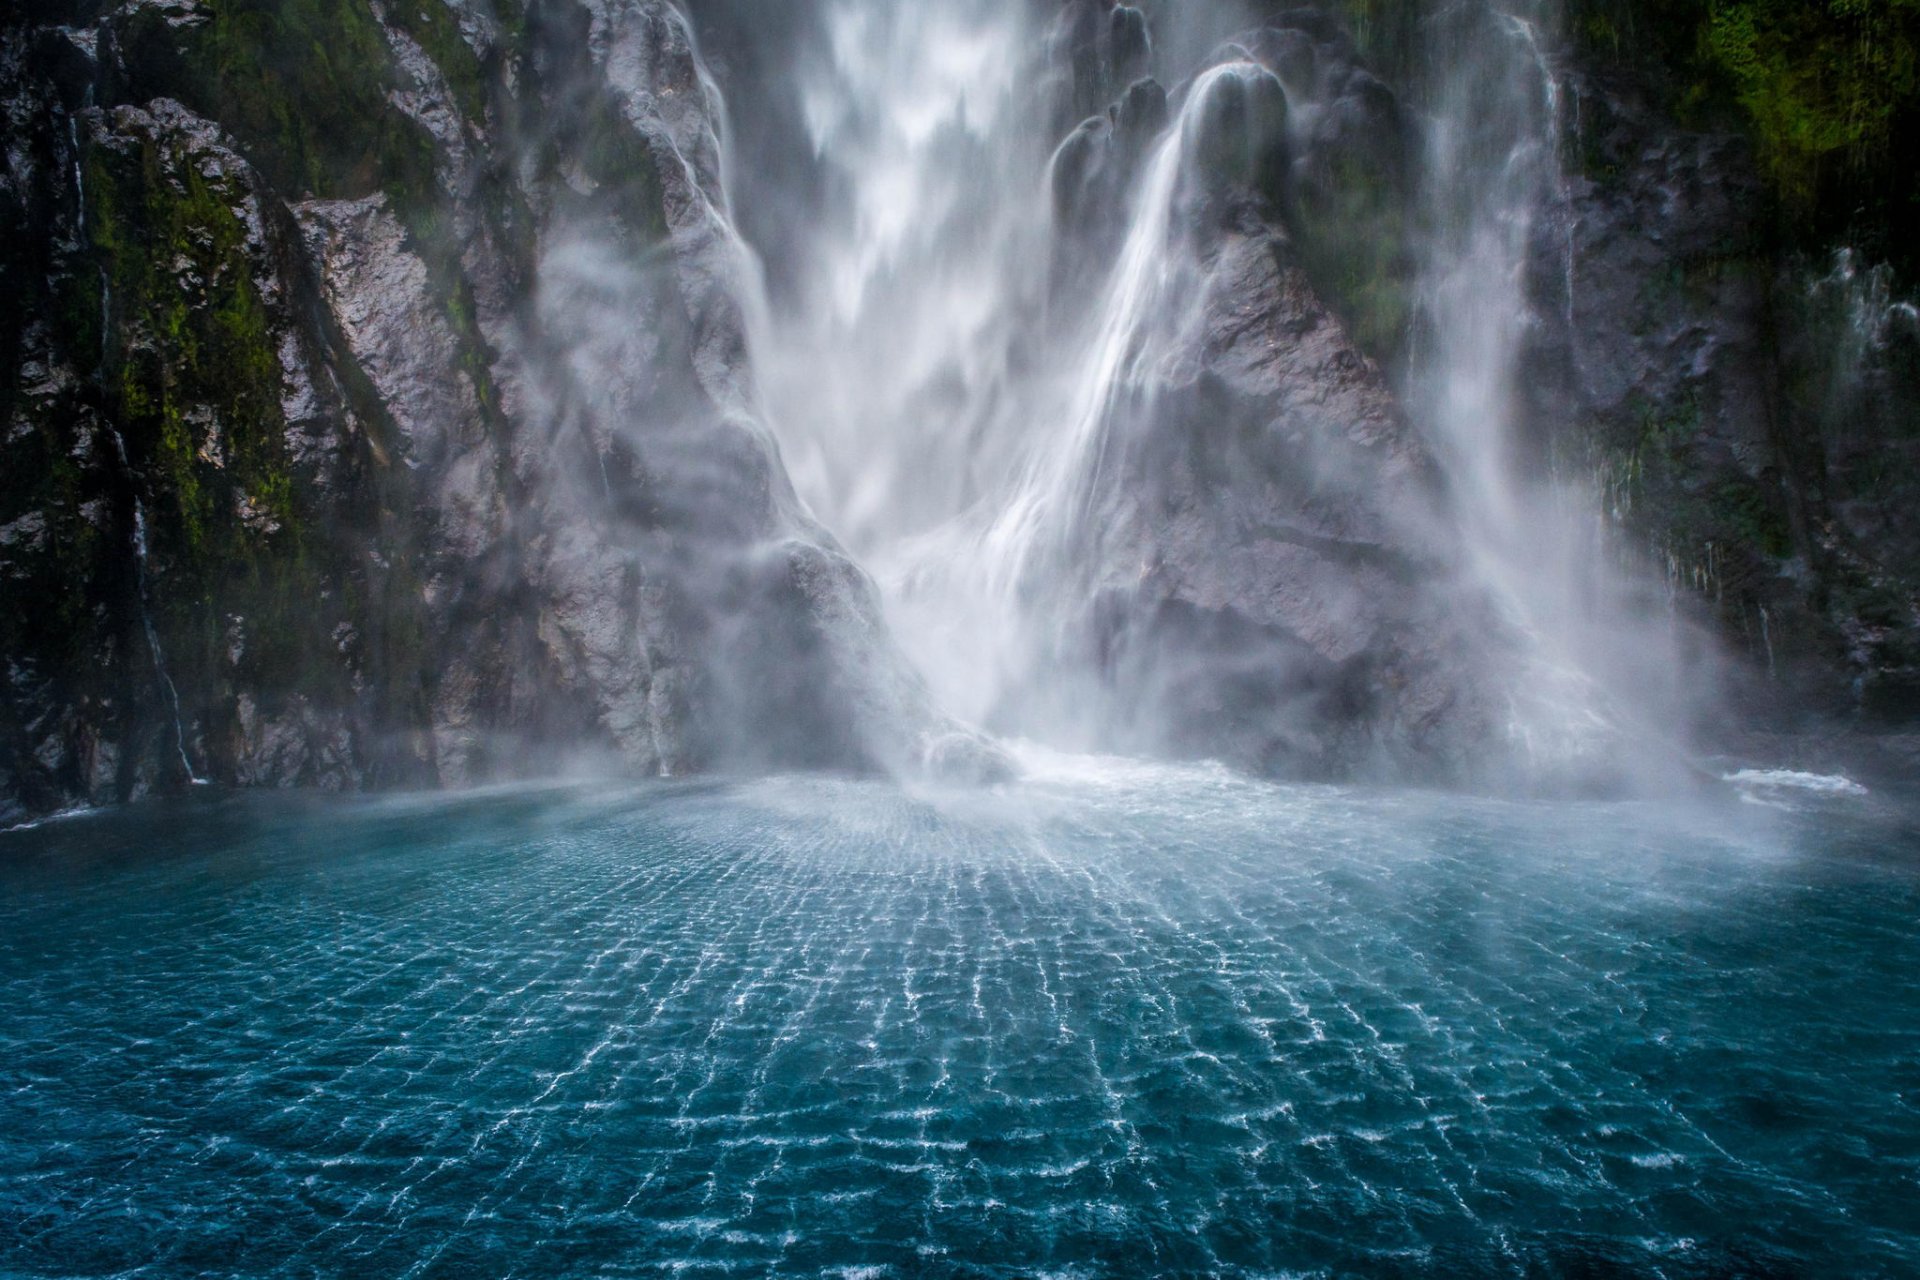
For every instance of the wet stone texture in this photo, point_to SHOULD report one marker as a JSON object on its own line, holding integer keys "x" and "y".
{"x": 374, "y": 412}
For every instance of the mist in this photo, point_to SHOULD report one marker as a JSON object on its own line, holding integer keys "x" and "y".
{"x": 1003, "y": 244}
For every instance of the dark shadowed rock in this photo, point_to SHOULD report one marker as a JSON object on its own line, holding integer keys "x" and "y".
{"x": 1723, "y": 400}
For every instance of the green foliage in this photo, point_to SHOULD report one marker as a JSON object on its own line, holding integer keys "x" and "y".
{"x": 1355, "y": 238}
{"x": 1828, "y": 89}
{"x": 302, "y": 84}
{"x": 1824, "y": 85}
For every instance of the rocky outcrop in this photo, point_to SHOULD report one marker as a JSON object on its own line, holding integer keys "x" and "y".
{"x": 1271, "y": 576}
{"x": 1277, "y": 584}
{"x": 404, "y": 437}
{"x": 1352, "y": 171}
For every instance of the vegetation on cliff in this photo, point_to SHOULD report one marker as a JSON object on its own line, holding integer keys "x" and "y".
{"x": 1829, "y": 90}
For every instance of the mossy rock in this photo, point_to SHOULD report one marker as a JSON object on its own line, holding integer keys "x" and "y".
{"x": 245, "y": 584}
{"x": 1354, "y": 227}
{"x": 1829, "y": 92}
{"x": 433, "y": 26}
{"x": 302, "y": 85}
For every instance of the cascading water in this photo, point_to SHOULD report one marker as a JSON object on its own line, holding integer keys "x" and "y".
{"x": 1597, "y": 667}
{"x": 1867, "y": 326}
{"x": 1030, "y": 534}
{"x": 903, "y": 362}
{"x": 950, "y": 411}
{"x": 940, "y": 409}
{"x": 891, "y": 371}
{"x": 154, "y": 651}
{"x": 1491, "y": 157}
{"x": 1047, "y": 501}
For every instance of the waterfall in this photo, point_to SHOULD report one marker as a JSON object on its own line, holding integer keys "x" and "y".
{"x": 1030, "y": 533}
{"x": 940, "y": 412}
{"x": 154, "y": 650}
{"x": 1047, "y": 503}
{"x": 890, "y": 373}
{"x": 1597, "y": 668}
{"x": 79, "y": 179}
{"x": 1864, "y": 325}
{"x": 950, "y": 414}
{"x": 1492, "y": 148}
{"x": 905, "y": 368}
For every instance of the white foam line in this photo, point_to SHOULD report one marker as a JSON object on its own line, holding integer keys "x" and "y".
{"x": 1831, "y": 784}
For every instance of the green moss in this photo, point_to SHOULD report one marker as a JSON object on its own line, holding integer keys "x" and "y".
{"x": 1823, "y": 84}
{"x": 1829, "y": 90}
{"x": 1651, "y": 482}
{"x": 190, "y": 378}
{"x": 1354, "y": 237}
{"x": 435, "y": 29}
{"x": 1669, "y": 434}
{"x": 302, "y": 84}
{"x": 621, "y": 166}
{"x": 155, "y": 224}
{"x": 1387, "y": 33}
{"x": 431, "y": 235}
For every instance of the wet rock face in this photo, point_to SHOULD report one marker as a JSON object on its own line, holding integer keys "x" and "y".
{"x": 1270, "y": 575}
{"x": 1850, "y": 405}
{"x": 404, "y": 438}
{"x": 1351, "y": 176}
{"x": 1723, "y": 398}
{"x": 182, "y": 410}
{"x": 1097, "y": 48}
{"x": 1278, "y": 587}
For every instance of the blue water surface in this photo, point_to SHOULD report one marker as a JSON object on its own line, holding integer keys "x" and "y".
{"x": 1113, "y": 1020}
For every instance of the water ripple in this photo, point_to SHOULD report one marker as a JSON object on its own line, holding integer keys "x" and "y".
{"x": 1115, "y": 1021}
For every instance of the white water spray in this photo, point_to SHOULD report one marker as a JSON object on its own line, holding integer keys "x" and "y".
{"x": 892, "y": 376}
{"x": 935, "y": 414}
{"x": 1595, "y": 672}
{"x": 1047, "y": 502}
{"x": 952, "y": 431}
{"x": 1027, "y": 535}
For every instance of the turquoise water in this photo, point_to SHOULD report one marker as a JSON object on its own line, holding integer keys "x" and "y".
{"x": 1114, "y": 1020}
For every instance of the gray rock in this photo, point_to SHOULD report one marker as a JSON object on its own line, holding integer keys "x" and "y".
{"x": 1270, "y": 571}
{"x": 526, "y": 513}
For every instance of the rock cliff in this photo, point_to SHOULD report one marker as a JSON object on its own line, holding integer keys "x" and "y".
{"x": 376, "y": 406}
{"x": 376, "y": 413}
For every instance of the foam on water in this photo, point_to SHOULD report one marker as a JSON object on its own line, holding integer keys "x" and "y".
{"x": 1832, "y": 784}
{"x": 1114, "y": 1020}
